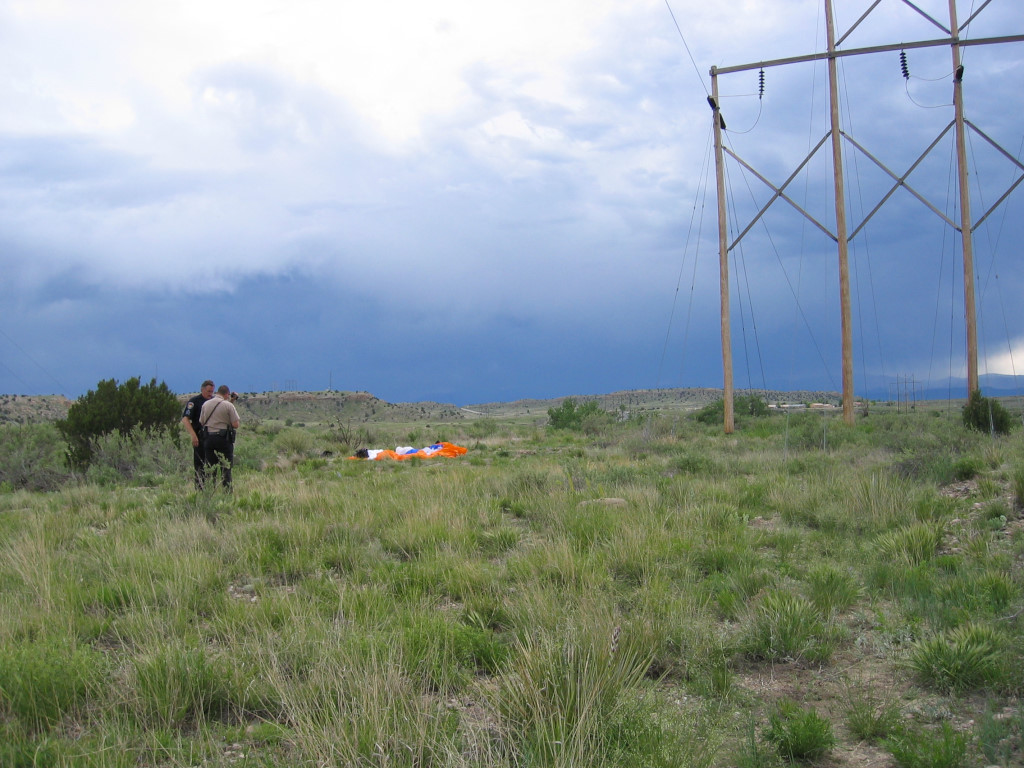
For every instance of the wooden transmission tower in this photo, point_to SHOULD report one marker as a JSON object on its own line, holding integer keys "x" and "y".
{"x": 841, "y": 236}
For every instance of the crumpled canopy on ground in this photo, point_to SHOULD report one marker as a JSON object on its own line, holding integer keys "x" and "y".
{"x": 401, "y": 453}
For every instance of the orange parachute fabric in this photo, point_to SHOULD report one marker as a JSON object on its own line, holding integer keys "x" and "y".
{"x": 437, "y": 450}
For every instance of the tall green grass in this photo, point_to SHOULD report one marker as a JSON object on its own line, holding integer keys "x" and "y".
{"x": 606, "y": 599}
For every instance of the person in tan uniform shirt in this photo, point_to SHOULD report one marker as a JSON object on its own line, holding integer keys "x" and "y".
{"x": 219, "y": 420}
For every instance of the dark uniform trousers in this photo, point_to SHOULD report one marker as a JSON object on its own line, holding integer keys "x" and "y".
{"x": 220, "y": 453}
{"x": 199, "y": 460}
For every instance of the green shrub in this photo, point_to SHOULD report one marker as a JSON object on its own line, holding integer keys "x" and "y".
{"x": 987, "y": 593}
{"x": 910, "y": 545}
{"x": 742, "y": 406}
{"x": 177, "y": 686}
{"x": 443, "y": 655}
{"x": 43, "y": 681}
{"x": 31, "y": 457}
{"x": 808, "y": 431}
{"x": 352, "y": 437}
{"x": 149, "y": 409}
{"x": 966, "y": 468}
{"x": 752, "y": 752}
{"x": 919, "y": 749}
{"x": 799, "y": 734}
{"x": 139, "y": 456}
{"x": 960, "y": 659}
{"x": 294, "y": 440}
{"x": 642, "y": 733}
{"x": 558, "y": 696}
{"x": 832, "y": 591}
{"x": 871, "y": 717}
{"x": 986, "y": 414}
{"x": 570, "y": 415}
{"x": 1000, "y": 736}
{"x": 786, "y": 626}
{"x": 1017, "y": 486}
{"x": 697, "y": 464}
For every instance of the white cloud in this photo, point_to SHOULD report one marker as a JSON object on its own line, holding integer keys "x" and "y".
{"x": 1008, "y": 362}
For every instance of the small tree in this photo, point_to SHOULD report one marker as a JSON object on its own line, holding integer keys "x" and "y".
{"x": 150, "y": 408}
{"x": 986, "y": 414}
{"x": 743, "y": 405}
{"x": 569, "y": 415}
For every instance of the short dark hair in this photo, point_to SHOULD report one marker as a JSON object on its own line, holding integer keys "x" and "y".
{"x": 223, "y": 389}
{"x": 207, "y": 383}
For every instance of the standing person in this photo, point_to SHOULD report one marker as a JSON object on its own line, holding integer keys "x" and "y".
{"x": 219, "y": 420}
{"x": 190, "y": 418}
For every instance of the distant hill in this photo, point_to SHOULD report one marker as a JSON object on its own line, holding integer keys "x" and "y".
{"x": 32, "y": 409}
{"x": 339, "y": 407}
{"x": 683, "y": 399}
{"x": 332, "y": 407}
{"x": 992, "y": 385}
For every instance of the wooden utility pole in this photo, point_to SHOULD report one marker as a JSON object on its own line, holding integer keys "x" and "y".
{"x": 841, "y": 232}
{"x": 966, "y": 232}
{"x": 723, "y": 261}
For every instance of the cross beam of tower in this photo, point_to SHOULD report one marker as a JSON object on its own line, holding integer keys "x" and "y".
{"x": 840, "y": 234}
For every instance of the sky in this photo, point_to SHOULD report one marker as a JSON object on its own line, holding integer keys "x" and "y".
{"x": 470, "y": 202}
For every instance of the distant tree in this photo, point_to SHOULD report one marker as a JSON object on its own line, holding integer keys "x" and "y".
{"x": 986, "y": 414}
{"x": 149, "y": 408}
{"x": 570, "y": 415}
{"x": 750, "y": 405}
{"x": 742, "y": 405}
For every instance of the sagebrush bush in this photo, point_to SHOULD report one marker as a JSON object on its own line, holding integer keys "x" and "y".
{"x": 32, "y": 457}
{"x": 294, "y": 440}
{"x": 352, "y": 437}
{"x": 138, "y": 457}
{"x": 807, "y": 431}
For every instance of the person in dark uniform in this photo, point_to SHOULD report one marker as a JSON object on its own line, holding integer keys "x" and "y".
{"x": 190, "y": 418}
{"x": 219, "y": 420}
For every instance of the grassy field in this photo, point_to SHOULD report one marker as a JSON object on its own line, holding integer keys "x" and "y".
{"x": 639, "y": 592}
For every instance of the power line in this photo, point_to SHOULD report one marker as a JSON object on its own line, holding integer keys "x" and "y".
{"x": 687, "y": 47}
{"x": 17, "y": 346}
{"x": 23, "y": 383}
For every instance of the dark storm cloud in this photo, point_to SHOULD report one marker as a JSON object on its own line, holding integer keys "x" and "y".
{"x": 551, "y": 230}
